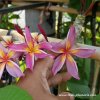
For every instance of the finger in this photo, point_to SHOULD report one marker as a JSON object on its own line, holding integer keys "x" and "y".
{"x": 65, "y": 96}
{"x": 59, "y": 78}
{"x": 50, "y": 74}
{"x": 40, "y": 71}
{"x": 43, "y": 65}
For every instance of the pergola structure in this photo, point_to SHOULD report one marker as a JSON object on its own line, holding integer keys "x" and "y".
{"x": 40, "y": 5}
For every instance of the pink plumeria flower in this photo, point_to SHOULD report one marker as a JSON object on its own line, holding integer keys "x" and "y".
{"x": 38, "y": 37}
{"x": 32, "y": 49}
{"x": 6, "y": 61}
{"x": 65, "y": 51}
{"x": 7, "y": 41}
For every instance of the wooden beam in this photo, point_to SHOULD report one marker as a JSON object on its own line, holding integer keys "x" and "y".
{"x": 62, "y": 9}
{"x": 21, "y": 3}
{"x": 61, "y": 1}
{"x": 52, "y": 8}
{"x": 55, "y": 8}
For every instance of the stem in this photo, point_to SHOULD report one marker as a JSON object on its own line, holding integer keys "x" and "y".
{"x": 90, "y": 8}
{"x": 59, "y": 24}
{"x": 98, "y": 82}
{"x": 93, "y": 30}
{"x": 93, "y": 91}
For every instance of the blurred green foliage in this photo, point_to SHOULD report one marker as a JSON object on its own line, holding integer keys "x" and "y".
{"x": 6, "y": 21}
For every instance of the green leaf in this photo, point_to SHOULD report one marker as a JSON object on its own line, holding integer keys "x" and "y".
{"x": 5, "y": 18}
{"x": 3, "y": 25}
{"x": 14, "y": 16}
{"x": 98, "y": 19}
{"x": 73, "y": 4}
{"x": 13, "y": 93}
{"x": 10, "y": 25}
{"x": 96, "y": 97}
{"x": 79, "y": 90}
{"x": 87, "y": 68}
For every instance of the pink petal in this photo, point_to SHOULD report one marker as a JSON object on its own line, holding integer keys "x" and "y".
{"x": 58, "y": 47}
{"x": 70, "y": 37}
{"x": 45, "y": 45}
{"x": 30, "y": 61}
{"x": 13, "y": 69}
{"x": 3, "y": 48}
{"x": 19, "y": 47}
{"x": 82, "y": 53}
{"x": 13, "y": 54}
{"x": 42, "y": 31}
{"x": 18, "y": 29}
{"x": 2, "y": 66}
{"x": 41, "y": 54}
{"x": 17, "y": 55}
{"x": 72, "y": 67}
{"x": 28, "y": 36}
{"x": 58, "y": 64}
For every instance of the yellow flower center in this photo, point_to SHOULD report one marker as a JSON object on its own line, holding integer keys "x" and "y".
{"x": 33, "y": 49}
{"x": 5, "y": 58}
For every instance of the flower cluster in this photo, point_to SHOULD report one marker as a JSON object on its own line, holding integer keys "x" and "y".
{"x": 34, "y": 48}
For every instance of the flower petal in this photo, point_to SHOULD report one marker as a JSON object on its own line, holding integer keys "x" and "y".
{"x": 41, "y": 54}
{"x": 58, "y": 47}
{"x": 72, "y": 67}
{"x": 41, "y": 38}
{"x": 17, "y": 55}
{"x": 28, "y": 36}
{"x": 70, "y": 37}
{"x": 13, "y": 69}
{"x": 7, "y": 38}
{"x": 7, "y": 41}
{"x": 58, "y": 64}
{"x": 2, "y": 53}
{"x": 13, "y": 54}
{"x": 82, "y": 52}
{"x": 19, "y": 47}
{"x": 42, "y": 31}
{"x": 30, "y": 61}
{"x": 1, "y": 60}
{"x": 18, "y": 29}
{"x": 45, "y": 45}
{"x": 3, "y": 48}
{"x": 2, "y": 66}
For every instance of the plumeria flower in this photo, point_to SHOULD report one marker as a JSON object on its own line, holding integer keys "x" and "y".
{"x": 31, "y": 48}
{"x": 7, "y": 41}
{"x": 65, "y": 52}
{"x": 38, "y": 37}
{"x": 6, "y": 61}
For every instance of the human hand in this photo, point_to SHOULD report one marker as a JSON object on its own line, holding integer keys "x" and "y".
{"x": 37, "y": 82}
